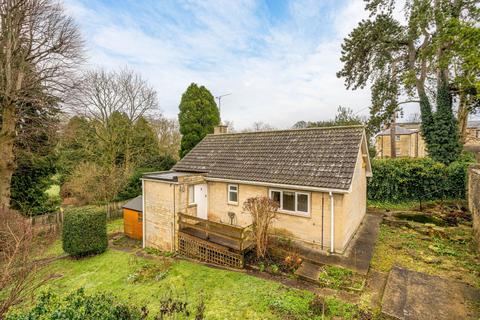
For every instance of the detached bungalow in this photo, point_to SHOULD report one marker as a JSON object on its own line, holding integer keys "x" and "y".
{"x": 318, "y": 176}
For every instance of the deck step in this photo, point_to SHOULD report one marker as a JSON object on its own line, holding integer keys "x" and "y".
{"x": 309, "y": 271}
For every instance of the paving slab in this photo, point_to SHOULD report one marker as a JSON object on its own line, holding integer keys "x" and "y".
{"x": 415, "y": 295}
{"x": 308, "y": 271}
{"x": 358, "y": 254}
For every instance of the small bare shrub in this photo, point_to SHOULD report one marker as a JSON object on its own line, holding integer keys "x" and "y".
{"x": 263, "y": 211}
{"x": 20, "y": 249}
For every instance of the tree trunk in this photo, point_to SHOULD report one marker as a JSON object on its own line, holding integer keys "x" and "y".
{"x": 393, "y": 145}
{"x": 7, "y": 163}
{"x": 463, "y": 112}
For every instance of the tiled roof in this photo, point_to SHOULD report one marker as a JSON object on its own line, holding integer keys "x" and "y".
{"x": 315, "y": 157}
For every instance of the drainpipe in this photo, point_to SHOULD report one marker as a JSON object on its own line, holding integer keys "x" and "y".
{"x": 332, "y": 224}
{"x": 144, "y": 220}
{"x": 173, "y": 231}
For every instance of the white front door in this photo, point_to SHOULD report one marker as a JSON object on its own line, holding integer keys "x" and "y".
{"x": 201, "y": 200}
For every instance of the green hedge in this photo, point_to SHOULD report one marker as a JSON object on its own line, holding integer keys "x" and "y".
{"x": 404, "y": 179}
{"x": 84, "y": 231}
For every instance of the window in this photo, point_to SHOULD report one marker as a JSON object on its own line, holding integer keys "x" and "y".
{"x": 397, "y": 138}
{"x": 398, "y": 152}
{"x": 288, "y": 202}
{"x": 191, "y": 194}
{"x": 275, "y": 196}
{"x": 292, "y": 201}
{"x": 139, "y": 217}
{"x": 233, "y": 193}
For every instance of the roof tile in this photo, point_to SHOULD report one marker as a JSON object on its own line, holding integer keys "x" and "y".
{"x": 315, "y": 157}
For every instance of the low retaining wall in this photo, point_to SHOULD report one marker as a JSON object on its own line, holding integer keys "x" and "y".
{"x": 474, "y": 200}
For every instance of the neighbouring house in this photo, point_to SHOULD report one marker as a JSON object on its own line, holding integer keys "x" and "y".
{"x": 133, "y": 218}
{"x": 473, "y": 134}
{"x": 409, "y": 141}
{"x": 317, "y": 175}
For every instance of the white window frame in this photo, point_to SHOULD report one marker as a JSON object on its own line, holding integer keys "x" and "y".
{"x": 397, "y": 137}
{"x": 228, "y": 193}
{"x": 296, "y": 212}
{"x": 191, "y": 190}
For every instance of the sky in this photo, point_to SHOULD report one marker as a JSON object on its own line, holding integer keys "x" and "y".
{"x": 278, "y": 59}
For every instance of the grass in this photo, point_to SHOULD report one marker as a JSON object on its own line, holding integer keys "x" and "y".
{"x": 451, "y": 256}
{"x": 392, "y": 206}
{"x": 54, "y": 191}
{"x": 340, "y": 278}
{"x": 55, "y": 250}
{"x": 227, "y": 295}
{"x": 114, "y": 226}
{"x": 409, "y": 205}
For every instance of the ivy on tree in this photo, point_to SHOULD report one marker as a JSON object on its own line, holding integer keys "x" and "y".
{"x": 198, "y": 116}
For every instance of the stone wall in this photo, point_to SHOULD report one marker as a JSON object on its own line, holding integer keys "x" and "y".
{"x": 474, "y": 200}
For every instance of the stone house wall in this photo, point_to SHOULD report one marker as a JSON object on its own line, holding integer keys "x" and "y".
{"x": 164, "y": 200}
{"x": 410, "y": 145}
{"x": 474, "y": 200}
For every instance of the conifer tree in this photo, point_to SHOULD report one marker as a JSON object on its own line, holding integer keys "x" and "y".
{"x": 198, "y": 116}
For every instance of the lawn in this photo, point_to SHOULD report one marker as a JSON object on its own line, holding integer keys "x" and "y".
{"x": 227, "y": 294}
{"x": 144, "y": 282}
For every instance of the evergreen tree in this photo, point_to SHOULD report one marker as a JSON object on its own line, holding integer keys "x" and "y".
{"x": 441, "y": 134}
{"x": 198, "y": 116}
{"x": 35, "y": 159}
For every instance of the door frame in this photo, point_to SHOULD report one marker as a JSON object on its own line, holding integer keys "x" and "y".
{"x": 201, "y": 200}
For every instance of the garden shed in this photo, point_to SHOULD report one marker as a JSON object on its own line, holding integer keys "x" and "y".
{"x": 133, "y": 218}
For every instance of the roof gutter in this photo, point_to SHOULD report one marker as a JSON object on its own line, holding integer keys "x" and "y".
{"x": 159, "y": 180}
{"x": 278, "y": 185}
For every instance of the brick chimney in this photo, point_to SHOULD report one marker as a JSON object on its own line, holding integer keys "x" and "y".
{"x": 220, "y": 129}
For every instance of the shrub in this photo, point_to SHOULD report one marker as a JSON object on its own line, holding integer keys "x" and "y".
{"x": 79, "y": 305}
{"x": 403, "y": 179}
{"x": 84, "y": 231}
{"x": 263, "y": 211}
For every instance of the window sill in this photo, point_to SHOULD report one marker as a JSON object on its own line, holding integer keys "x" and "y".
{"x": 232, "y": 203}
{"x": 192, "y": 205}
{"x": 295, "y": 214}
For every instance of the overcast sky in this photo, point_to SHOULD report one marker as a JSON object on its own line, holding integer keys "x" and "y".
{"x": 277, "y": 58}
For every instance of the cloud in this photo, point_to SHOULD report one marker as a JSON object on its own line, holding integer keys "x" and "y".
{"x": 279, "y": 70}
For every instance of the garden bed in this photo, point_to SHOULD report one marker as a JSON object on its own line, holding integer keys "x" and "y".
{"x": 437, "y": 241}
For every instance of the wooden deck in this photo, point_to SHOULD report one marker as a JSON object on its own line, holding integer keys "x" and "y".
{"x": 213, "y": 242}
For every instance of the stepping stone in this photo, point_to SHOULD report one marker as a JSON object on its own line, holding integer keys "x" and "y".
{"x": 411, "y": 295}
{"x": 309, "y": 271}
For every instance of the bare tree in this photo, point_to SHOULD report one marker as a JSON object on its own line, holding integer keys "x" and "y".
{"x": 102, "y": 93}
{"x": 20, "y": 249}
{"x": 168, "y": 132}
{"x": 40, "y": 49}
{"x": 259, "y": 126}
{"x": 263, "y": 211}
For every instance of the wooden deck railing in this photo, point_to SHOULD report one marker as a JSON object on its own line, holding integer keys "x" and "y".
{"x": 234, "y": 237}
